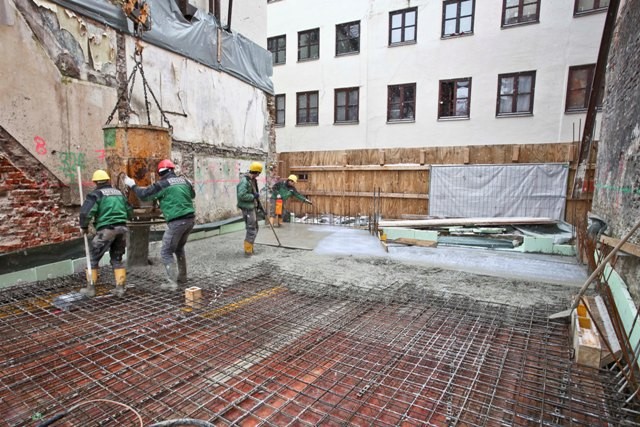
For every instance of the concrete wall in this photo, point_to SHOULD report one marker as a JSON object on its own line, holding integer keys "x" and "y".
{"x": 59, "y": 85}
{"x": 617, "y": 196}
{"x": 549, "y": 47}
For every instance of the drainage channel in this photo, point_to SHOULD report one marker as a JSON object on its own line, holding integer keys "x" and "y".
{"x": 271, "y": 349}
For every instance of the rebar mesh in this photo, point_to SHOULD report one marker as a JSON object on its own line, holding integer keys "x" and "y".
{"x": 265, "y": 348}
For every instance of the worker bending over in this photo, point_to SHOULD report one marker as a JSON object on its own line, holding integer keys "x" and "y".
{"x": 282, "y": 190}
{"x": 248, "y": 197}
{"x": 109, "y": 209}
{"x": 175, "y": 195}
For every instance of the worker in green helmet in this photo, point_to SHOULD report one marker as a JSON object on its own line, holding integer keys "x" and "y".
{"x": 283, "y": 190}
{"x": 110, "y": 210}
{"x": 248, "y": 197}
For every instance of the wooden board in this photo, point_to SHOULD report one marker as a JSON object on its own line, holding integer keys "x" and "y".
{"x": 629, "y": 248}
{"x": 465, "y": 221}
{"x": 415, "y": 242}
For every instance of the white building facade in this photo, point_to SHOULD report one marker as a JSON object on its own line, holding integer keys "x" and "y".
{"x": 363, "y": 74}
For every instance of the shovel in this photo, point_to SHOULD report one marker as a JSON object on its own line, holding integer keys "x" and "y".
{"x": 566, "y": 313}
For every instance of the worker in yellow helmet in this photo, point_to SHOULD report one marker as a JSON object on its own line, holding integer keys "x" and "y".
{"x": 248, "y": 197}
{"x": 110, "y": 210}
{"x": 282, "y": 190}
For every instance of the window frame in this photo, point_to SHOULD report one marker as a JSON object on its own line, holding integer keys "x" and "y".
{"x": 348, "y": 92}
{"x": 309, "y": 45}
{"x": 595, "y": 9}
{"x": 308, "y": 108}
{"x": 351, "y": 52}
{"x": 454, "y": 99}
{"x": 516, "y": 93}
{"x": 521, "y": 4}
{"x": 591, "y": 68}
{"x": 284, "y": 49}
{"x": 403, "y": 26}
{"x": 403, "y": 87}
{"x": 283, "y": 109}
{"x": 457, "y": 18}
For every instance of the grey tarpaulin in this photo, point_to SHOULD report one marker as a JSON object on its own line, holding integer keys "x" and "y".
{"x": 197, "y": 39}
{"x": 523, "y": 190}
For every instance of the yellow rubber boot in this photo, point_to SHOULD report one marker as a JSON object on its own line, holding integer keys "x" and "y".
{"x": 248, "y": 248}
{"x": 90, "y": 290}
{"x": 120, "y": 275}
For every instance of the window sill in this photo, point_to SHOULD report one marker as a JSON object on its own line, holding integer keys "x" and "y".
{"x": 306, "y": 124}
{"x": 589, "y": 12}
{"x": 519, "y": 24}
{"x": 503, "y": 115}
{"x": 357, "y": 52}
{"x": 581, "y": 110}
{"x": 308, "y": 59}
{"x": 456, "y": 35}
{"x": 402, "y": 43}
{"x": 279, "y": 63}
{"x": 278, "y": 125}
{"x": 453, "y": 118}
{"x": 352, "y": 122}
{"x": 393, "y": 122}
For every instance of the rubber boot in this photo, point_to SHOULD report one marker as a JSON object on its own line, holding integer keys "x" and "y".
{"x": 172, "y": 275}
{"x": 182, "y": 270}
{"x": 121, "y": 276}
{"x": 248, "y": 249}
{"x": 90, "y": 290}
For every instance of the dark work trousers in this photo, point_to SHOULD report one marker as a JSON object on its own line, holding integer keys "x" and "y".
{"x": 112, "y": 239}
{"x": 174, "y": 239}
{"x": 251, "y": 224}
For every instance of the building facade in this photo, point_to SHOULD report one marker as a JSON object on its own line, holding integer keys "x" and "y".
{"x": 367, "y": 74}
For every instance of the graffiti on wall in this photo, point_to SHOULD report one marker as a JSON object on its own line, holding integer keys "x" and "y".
{"x": 215, "y": 181}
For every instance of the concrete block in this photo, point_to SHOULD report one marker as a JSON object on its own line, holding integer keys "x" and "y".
{"x": 193, "y": 297}
{"x": 543, "y": 245}
{"x": 23, "y": 276}
{"x": 212, "y": 233}
{"x": 57, "y": 269}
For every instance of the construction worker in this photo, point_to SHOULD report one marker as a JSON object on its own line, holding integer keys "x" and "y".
{"x": 175, "y": 195}
{"x": 249, "y": 203}
{"x": 108, "y": 207}
{"x": 282, "y": 190}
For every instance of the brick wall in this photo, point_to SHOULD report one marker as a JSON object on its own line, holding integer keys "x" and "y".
{"x": 33, "y": 211}
{"x": 617, "y": 196}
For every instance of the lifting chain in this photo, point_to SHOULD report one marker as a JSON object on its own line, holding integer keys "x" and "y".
{"x": 146, "y": 89}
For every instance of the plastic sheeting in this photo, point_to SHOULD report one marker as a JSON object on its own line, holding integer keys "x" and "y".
{"x": 523, "y": 190}
{"x": 197, "y": 40}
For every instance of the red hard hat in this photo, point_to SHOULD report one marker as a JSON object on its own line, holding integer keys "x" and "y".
{"x": 165, "y": 164}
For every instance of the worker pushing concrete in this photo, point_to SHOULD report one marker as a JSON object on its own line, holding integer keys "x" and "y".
{"x": 175, "y": 194}
{"x": 110, "y": 210}
{"x": 248, "y": 197}
{"x": 283, "y": 190}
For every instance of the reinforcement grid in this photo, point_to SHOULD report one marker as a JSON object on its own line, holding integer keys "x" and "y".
{"x": 273, "y": 349}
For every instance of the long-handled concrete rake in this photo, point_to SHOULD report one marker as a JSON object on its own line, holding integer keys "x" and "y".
{"x": 567, "y": 313}
{"x": 86, "y": 239}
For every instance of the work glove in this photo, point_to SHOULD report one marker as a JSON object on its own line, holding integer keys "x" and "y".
{"x": 308, "y": 201}
{"x": 85, "y": 230}
{"x": 129, "y": 182}
{"x": 256, "y": 195}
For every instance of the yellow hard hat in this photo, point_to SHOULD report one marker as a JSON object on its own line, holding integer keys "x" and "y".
{"x": 255, "y": 167}
{"x": 293, "y": 178}
{"x": 100, "y": 175}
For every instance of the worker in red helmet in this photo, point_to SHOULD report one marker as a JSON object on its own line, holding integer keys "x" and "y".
{"x": 175, "y": 195}
{"x": 248, "y": 197}
{"x": 110, "y": 210}
{"x": 283, "y": 189}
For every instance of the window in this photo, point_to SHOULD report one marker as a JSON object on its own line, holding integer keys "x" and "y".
{"x": 346, "y": 106}
{"x": 280, "y": 109}
{"x": 520, "y": 11}
{"x": 278, "y": 48}
{"x": 403, "y": 25}
{"x": 307, "y": 108}
{"x": 515, "y": 93}
{"x": 586, "y": 6}
{"x": 457, "y": 17}
{"x": 579, "y": 88}
{"x": 348, "y": 38}
{"x": 401, "y": 102}
{"x": 455, "y": 98}
{"x": 309, "y": 44}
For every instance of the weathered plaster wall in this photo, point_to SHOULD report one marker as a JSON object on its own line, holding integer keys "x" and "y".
{"x": 59, "y": 85}
{"x": 617, "y": 196}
